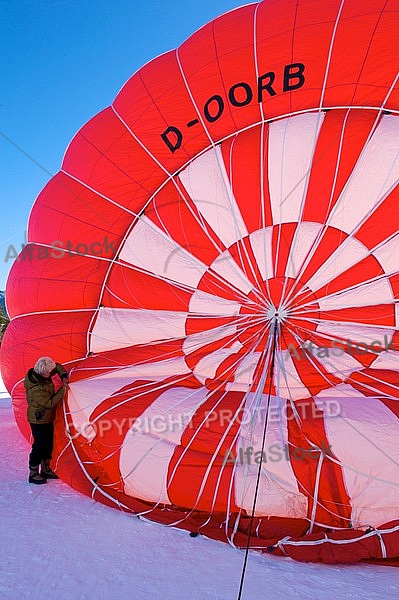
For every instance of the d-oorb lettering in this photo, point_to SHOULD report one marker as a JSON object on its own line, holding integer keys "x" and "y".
{"x": 240, "y": 94}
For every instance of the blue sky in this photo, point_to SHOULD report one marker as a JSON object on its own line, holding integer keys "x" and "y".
{"x": 62, "y": 62}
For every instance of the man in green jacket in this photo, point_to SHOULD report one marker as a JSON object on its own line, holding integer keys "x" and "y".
{"x": 42, "y": 400}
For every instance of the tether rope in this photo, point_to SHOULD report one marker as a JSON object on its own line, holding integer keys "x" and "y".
{"x": 244, "y": 567}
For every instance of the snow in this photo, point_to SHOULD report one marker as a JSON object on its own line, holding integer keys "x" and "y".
{"x": 58, "y": 544}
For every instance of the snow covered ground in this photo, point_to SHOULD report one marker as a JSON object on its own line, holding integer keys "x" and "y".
{"x": 58, "y": 544}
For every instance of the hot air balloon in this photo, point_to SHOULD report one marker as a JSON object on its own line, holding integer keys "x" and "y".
{"x": 216, "y": 263}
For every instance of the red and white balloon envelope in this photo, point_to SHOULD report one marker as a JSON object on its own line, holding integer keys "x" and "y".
{"x": 216, "y": 263}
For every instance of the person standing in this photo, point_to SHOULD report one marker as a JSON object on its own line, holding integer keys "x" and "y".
{"x": 42, "y": 400}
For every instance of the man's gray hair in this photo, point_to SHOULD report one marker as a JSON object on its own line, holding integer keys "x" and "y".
{"x": 44, "y": 366}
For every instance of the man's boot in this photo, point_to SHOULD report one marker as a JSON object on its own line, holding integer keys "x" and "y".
{"x": 46, "y": 471}
{"x": 35, "y": 476}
